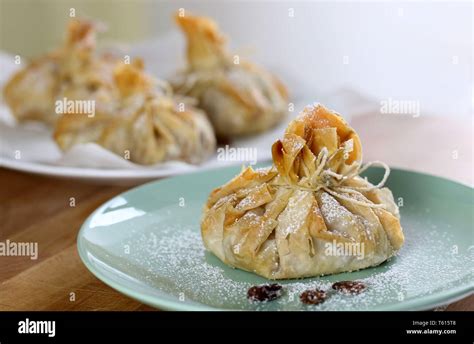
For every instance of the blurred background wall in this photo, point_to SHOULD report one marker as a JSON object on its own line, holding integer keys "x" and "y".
{"x": 384, "y": 49}
{"x": 31, "y": 27}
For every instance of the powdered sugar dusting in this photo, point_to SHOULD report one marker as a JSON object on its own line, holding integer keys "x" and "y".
{"x": 332, "y": 210}
{"x": 180, "y": 258}
{"x": 175, "y": 261}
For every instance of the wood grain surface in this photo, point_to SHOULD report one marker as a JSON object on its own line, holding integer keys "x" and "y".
{"x": 37, "y": 209}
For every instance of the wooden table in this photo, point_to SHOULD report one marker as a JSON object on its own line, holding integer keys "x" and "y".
{"x": 37, "y": 209}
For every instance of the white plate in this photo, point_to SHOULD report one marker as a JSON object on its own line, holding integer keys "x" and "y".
{"x": 40, "y": 155}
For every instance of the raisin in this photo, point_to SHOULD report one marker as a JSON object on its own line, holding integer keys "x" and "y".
{"x": 264, "y": 292}
{"x": 313, "y": 296}
{"x": 349, "y": 287}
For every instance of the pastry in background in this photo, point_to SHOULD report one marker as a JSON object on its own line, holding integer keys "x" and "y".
{"x": 73, "y": 71}
{"x": 146, "y": 128}
{"x": 131, "y": 113}
{"x": 240, "y": 99}
{"x": 290, "y": 220}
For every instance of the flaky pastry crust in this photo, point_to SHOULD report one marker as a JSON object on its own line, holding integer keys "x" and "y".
{"x": 280, "y": 222}
{"x": 135, "y": 116}
{"x": 239, "y": 97}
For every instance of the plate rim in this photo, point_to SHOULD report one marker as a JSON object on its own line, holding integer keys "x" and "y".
{"x": 89, "y": 172}
{"x": 425, "y": 302}
{"x": 145, "y": 173}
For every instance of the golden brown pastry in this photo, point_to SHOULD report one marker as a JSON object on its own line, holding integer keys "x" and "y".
{"x": 133, "y": 114}
{"x": 72, "y": 71}
{"x": 146, "y": 126}
{"x": 239, "y": 98}
{"x": 310, "y": 213}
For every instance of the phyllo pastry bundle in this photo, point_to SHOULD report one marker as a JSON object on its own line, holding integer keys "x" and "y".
{"x": 285, "y": 221}
{"x": 135, "y": 115}
{"x": 146, "y": 127}
{"x": 239, "y": 97}
{"x": 73, "y": 71}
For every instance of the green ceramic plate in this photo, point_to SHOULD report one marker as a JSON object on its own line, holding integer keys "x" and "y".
{"x": 146, "y": 244}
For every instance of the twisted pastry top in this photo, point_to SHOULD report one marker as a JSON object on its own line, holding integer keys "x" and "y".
{"x": 321, "y": 151}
